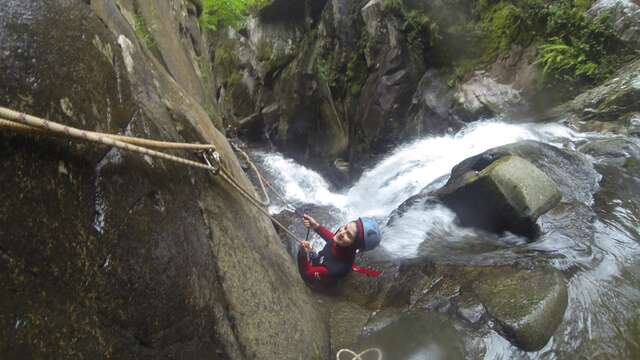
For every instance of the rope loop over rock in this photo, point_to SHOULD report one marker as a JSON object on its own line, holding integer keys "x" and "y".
{"x": 359, "y": 356}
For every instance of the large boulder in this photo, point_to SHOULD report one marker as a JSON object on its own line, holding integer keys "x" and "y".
{"x": 107, "y": 254}
{"x": 431, "y": 107}
{"x": 482, "y": 96}
{"x": 527, "y": 305}
{"x": 500, "y": 194}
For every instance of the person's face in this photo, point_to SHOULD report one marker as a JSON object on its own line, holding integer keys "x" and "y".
{"x": 346, "y": 235}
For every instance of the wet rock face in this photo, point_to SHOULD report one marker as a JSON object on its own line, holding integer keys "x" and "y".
{"x": 518, "y": 68}
{"x": 500, "y": 194}
{"x": 614, "y": 151}
{"x": 396, "y": 70}
{"x": 344, "y": 83}
{"x": 616, "y": 100}
{"x": 431, "y": 107}
{"x": 110, "y": 254}
{"x": 528, "y": 305}
{"x": 482, "y": 96}
{"x": 626, "y": 18}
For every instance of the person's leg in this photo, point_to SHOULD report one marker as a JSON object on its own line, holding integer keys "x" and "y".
{"x": 302, "y": 260}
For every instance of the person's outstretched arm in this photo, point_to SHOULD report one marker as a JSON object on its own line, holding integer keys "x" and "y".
{"x": 324, "y": 233}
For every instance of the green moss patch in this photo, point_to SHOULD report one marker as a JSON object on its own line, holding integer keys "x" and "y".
{"x": 143, "y": 31}
{"x": 573, "y": 47}
{"x": 218, "y": 14}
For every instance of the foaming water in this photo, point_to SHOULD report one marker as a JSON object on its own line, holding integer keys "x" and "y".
{"x": 413, "y": 166}
{"x": 297, "y": 183}
{"x": 596, "y": 244}
{"x": 400, "y": 175}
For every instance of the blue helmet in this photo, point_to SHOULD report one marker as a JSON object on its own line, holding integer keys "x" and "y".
{"x": 370, "y": 234}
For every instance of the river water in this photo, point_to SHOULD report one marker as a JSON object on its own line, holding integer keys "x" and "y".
{"x": 600, "y": 261}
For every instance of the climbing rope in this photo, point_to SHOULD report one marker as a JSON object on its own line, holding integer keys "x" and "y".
{"x": 261, "y": 180}
{"x": 359, "y": 356}
{"x": 264, "y": 183}
{"x": 128, "y": 139}
{"x": 25, "y": 123}
{"x": 110, "y": 140}
{"x": 31, "y": 124}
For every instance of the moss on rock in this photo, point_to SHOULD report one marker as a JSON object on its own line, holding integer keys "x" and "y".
{"x": 529, "y": 305}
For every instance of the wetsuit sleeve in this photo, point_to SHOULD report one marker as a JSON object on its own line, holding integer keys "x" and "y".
{"x": 324, "y": 233}
{"x": 313, "y": 272}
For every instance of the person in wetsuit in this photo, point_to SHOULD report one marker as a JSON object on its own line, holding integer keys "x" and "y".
{"x": 336, "y": 259}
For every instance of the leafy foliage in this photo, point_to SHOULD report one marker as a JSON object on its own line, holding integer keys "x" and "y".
{"x": 566, "y": 62}
{"x": 573, "y": 47}
{"x": 218, "y": 14}
{"x": 578, "y": 47}
{"x": 422, "y": 33}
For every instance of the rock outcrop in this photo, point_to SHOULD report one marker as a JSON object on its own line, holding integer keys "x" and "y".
{"x": 482, "y": 96}
{"x": 107, "y": 254}
{"x": 342, "y": 81}
{"x": 525, "y": 305}
{"x": 626, "y": 18}
{"x": 613, "y": 104}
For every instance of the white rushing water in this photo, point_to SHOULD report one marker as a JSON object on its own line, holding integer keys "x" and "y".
{"x": 403, "y": 173}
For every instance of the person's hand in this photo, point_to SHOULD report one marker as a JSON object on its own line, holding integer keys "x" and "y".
{"x": 305, "y": 245}
{"x": 310, "y": 223}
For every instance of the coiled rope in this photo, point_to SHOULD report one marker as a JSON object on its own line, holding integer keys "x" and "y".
{"x": 356, "y": 356}
{"x": 26, "y": 123}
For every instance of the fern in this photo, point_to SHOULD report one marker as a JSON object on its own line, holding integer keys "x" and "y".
{"x": 566, "y": 62}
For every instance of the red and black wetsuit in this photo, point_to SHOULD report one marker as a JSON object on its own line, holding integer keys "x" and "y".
{"x": 332, "y": 262}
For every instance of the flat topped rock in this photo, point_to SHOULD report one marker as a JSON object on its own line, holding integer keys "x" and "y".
{"x": 506, "y": 194}
{"x": 531, "y": 192}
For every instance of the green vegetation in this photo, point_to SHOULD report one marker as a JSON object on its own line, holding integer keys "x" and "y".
{"x": 578, "y": 48}
{"x": 504, "y": 24}
{"x": 143, "y": 32}
{"x": 218, "y": 14}
{"x": 264, "y": 50}
{"x": 421, "y": 32}
{"x": 226, "y": 61}
{"x": 356, "y": 74}
{"x": 326, "y": 69}
{"x": 566, "y": 62}
{"x": 574, "y": 48}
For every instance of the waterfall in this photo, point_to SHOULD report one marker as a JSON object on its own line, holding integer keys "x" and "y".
{"x": 401, "y": 174}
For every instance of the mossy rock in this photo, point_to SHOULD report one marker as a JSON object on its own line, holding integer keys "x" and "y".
{"x": 509, "y": 194}
{"x": 612, "y": 148}
{"x": 528, "y": 305}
